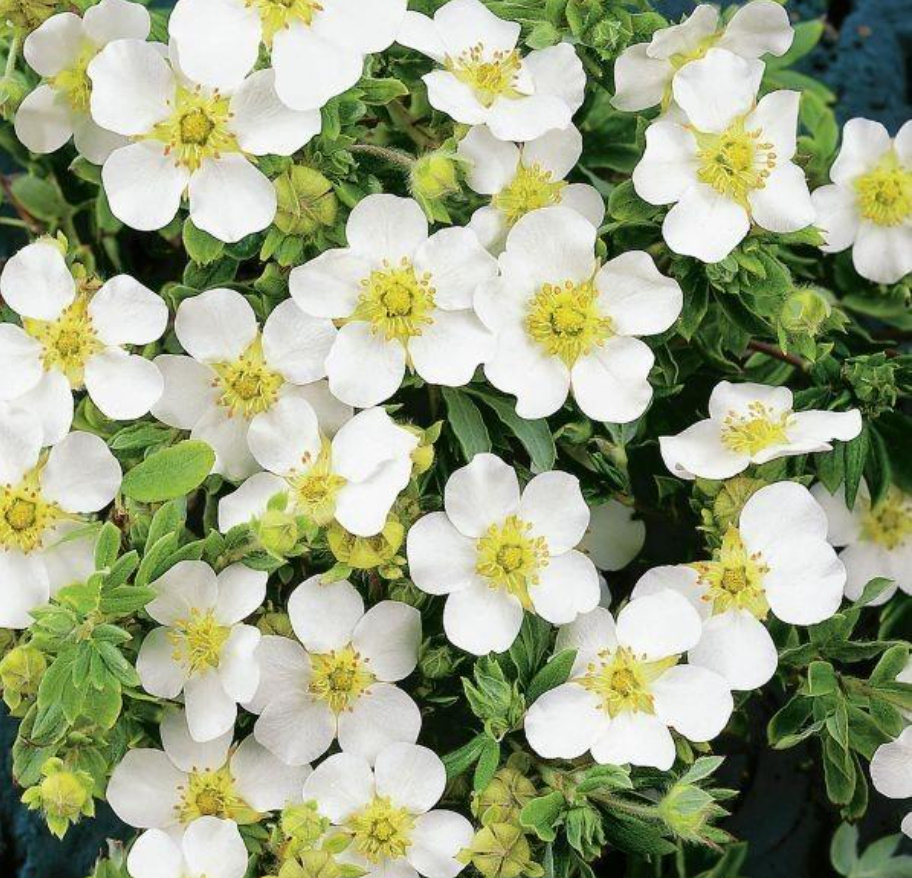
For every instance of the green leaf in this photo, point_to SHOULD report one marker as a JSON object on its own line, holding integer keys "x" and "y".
{"x": 201, "y": 247}
{"x": 378, "y": 92}
{"x": 169, "y": 473}
{"x": 534, "y": 436}
{"x": 40, "y": 198}
{"x": 551, "y": 675}
{"x": 460, "y": 761}
{"x": 543, "y": 814}
{"x": 107, "y": 546}
{"x": 855, "y": 454}
{"x": 168, "y": 518}
{"x": 624, "y": 205}
{"x": 807, "y": 35}
{"x": 488, "y": 760}
{"x": 844, "y": 849}
{"x": 466, "y": 422}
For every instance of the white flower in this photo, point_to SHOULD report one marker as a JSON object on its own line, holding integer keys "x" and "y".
{"x": 60, "y": 50}
{"x": 354, "y": 479}
{"x": 777, "y": 560}
{"x": 497, "y": 554}
{"x": 73, "y": 336}
{"x": 405, "y": 299}
{"x": 339, "y": 684}
{"x": 891, "y": 771}
{"x": 644, "y": 72}
{"x": 386, "y": 812}
{"x": 614, "y": 536}
{"x": 202, "y": 649}
{"x": 877, "y": 541}
{"x": 627, "y": 687}
{"x": 317, "y": 48}
{"x": 211, "y": 848}
{"x": 868, "y": 207}
{"x": 752, "y": 423}
{"x": 236, "y": 374}
{"x": 485, "y": 80}
{"x": 524, "y": 178}
{"x": 563, "y": 323}
{"x": 171, "y": 788}
{"x": 187, "y": 137}
{"x": 44, "y": 544}
{"x": 728, "y": 164}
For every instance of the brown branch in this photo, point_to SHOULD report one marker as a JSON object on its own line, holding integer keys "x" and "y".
{"x": 33, "y": 225}
{"x": 762, "y": 347}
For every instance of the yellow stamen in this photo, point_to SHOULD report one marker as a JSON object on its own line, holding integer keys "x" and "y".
{"x": 735, "y": 162}
{"x": 74, "y": 81}
{"x": 889, "y": 524}
{"x": 198, "y": 640}
{"x": 381, "y": 831}
{"x": 25, "y": 516}
{"x": 734, "y": 579}
{"x": 314, "y": 491}
{"x": 509, "y": 557}
{"x": 490, "y": 76}
{"x": 532, "y": 188}
{"x": 565, "y": 320}
{"x": 277, "y": 15}
{"x": 197, "y": 129}
{"x": 340, "y": 677}
{"x": 212, "y": 794}
{"x": 622, "y": 681}
{"x": 885, "y": 193}
{"x": 756, "y": 431}
{"x": 67, "y": 342}
{"x": 248, "y": 386}
{"x": 396, "y": 301}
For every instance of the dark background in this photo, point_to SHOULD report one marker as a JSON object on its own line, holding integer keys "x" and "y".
{"x": 866, "y": 58}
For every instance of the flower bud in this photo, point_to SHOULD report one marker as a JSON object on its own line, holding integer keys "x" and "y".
{"x": 20, "y": 673}
{"x": 437, "y": 662}
{"x": 303, "y": 823}
{"x": 435, "y": 176}
{"x": 804, "y": 311}
{"x": 873, "y": 381}
{"x": 306, "y": 201}
{"x": 501, "y": 850}
{"x": 275, "y": 623}
{"x": 63, "y": 796}
{"x": 277, "y": 532}
{"x": 687, "y": 809}
{"x": 504, "y": 797}
{"x": 368, "y": 553}
{"x": 26, "y": 15}
{"x": 311, "y": 864}
{"x": 730, "y": 500}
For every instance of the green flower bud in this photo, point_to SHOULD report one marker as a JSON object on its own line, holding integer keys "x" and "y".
{"x": 804, "y": 311}
{"x": 26, "y": 15}
{"x": 277, "y": 532}
{"x": 435, "y": 176}
{"x": 368, "y": 553}
{"x": 12, "y": 91}
{"x": 303, "y": 823}
{"x": 275, "y": 623}
{"x": 63, "y": 796}
{"x": 504, "y": 797}
{"x": 306, "y": 201}
{"x": 437, "y": 662}
{"x": 873, "y": 381}
{"x": 311, "y": 864}
{"x": 501, "y": 850}
{"x": 20, "y": 673}
{"x": 687, "y": 809}
{"x": 730, "y": 500}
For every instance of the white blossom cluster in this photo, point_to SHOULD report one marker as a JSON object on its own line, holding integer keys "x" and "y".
{"x": 293, "y": 405}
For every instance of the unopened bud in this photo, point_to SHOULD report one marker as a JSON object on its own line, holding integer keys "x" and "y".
{"x": 804, "y": 311}
{"x": 435, "y": 176}
{"x": 730, "y": 500}
{"x": 306, "y": 201}
{"x": 501, "y": 850}
{"x": 277, "y": 532}
{"x": 63, "y": 796}
{"x": 26, "y": 15}
{"x": 20, "y": 673}
{"x": 504, "y": 797}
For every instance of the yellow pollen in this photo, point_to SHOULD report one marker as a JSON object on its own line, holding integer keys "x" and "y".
{"x": 74, "y": 82}
{"x": 198, "y": 640}
{"x": 381, "y": 831}
{"x": 735, "y": 162}
{"x": 25, "y": 516}
{"x": 277, "y": 15}
{"x": 734, "y": 579}
{"x": 565, "y": 320}
{"x": 885, "y": 193}
{"x": 67, "y": 342}
{"x": 197, "y": 129}
{"x": 509, "y": 557}
{"x": 532, "y": 188}
{"x": 758, "y": 430}
{"x": 314, "y": 491}
{"x": 889, "y": 524}
{"x": 340, "y": 677}
{"x": 490, "y": 76}
{"x": 248, "y": 386}
{"x": 212, "y": 794}
{"x": 396, "y": 301}
{"x": 622, "y": 681}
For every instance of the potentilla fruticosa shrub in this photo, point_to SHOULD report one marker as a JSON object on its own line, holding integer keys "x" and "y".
{"x": 432, "y": 437}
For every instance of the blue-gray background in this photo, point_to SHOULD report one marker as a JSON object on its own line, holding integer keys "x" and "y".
{"x": 866, "y": 58}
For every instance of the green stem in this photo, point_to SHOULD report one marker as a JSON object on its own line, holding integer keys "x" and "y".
{"x": 392, "y": 156}
{"x": 647, "y": 812}
{"x": 12, "y": 55}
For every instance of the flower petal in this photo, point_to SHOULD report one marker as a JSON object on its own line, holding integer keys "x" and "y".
{"x": 564, "y": 722}
{"x": 698, "y": 452}
{"x": 20, "y": 362}
{"x": 694, "y": 701}
{"x": 430, "y": 540}
{"x": 638, "y": 298}
{"x": 388, "y": 636}
{"x": 286, "y": 439}
{"x": 758, "y": 28}
{"x": 412, "y": 776}
{"x": 492, "y": 163}
{"x": 25, "y": 587}
{"x": 160, "y": 674}
{"x": 264, "y": 782}
{"x": 659, "y": 625}
{"x": 737, "y": 646}
{"x": 144, "y": 789}
{"x": 364, "y": 368}
{"x": 211, "y": 711}
{"x": 189, "y": 391}
{"x": 715, "y": 90}
{"x": 705, "y": 224}
{"x": 230, "y": 198}
{"x": 784, "y": 203}
{"x": 614, "y": 536}
{"x": 611, "y": 383}
{"x": 44, "y": 120}
{"x": 437, "y": 837}
{"x": 122, "y": 385}
{"x": 296, "y": 344}
{"x": 480, "y": 619}
{"x": 341, "y": 785}
{"x": 185, "y": 753}
{"x": 36, "y": 281}
{"x": 324, "y": 616}
{"x": 450, "y": 350}
{"x": 214, "y": 847}
{"x": 81, "y": 474}
{"x": 638, "y": 739}
{"x": 567, "y": 586}
{"x": 482, "y": 493}
{"x": 640, "y": 81}
{"x": 382, "y": 717}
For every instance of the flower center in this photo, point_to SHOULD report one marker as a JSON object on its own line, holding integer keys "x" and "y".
{"x": 276, "y": 15}
{"x": 396, "y": 301}
{"x": 340, "y": 677}
{"x": 316, "y": 489}
{"x": 197, "y": 129}
{"x": 757, "y": 430}
{"x": 67, "y": 342}
{"x": 25, "y": 516}
{"x": 248, "y": 386}
{"x": 489, "y": 76}
{"x": 735, "y": 162}
{"x": 889, "y": 523}
{"x": 198, "y": 640}
{"x": 532, "y": 188}
{"x": 74, "y": 82}
{"x": 734, "y": 580}
{"x": 381, "y": 831}
{"x": 885, "y": 194}
{"x": 622, "y": 681}
{"x": 509, "y": 557}
{"x": 212, "y": 794}
{"x": 564, "y": 319}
